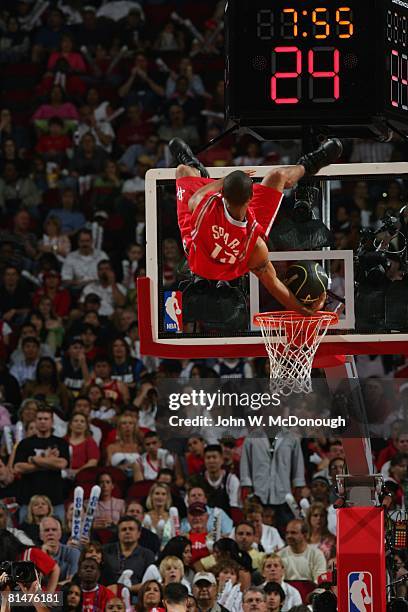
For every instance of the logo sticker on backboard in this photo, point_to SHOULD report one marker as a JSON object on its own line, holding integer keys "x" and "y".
{"x": 173, "y": 311}
{"x": 360, "y": 589}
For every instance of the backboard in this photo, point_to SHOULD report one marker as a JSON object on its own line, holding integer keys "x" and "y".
{"x": 373, "y": 312}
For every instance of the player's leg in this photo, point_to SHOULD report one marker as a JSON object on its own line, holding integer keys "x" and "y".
{"x": 308, "y": 164}
{"x": 184, "y": 155}
{"x": 183, "y": 171}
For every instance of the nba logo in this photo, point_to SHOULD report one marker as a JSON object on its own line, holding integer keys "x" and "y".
{"x": 173, "y": 317}
{"x": 360, "y": 588}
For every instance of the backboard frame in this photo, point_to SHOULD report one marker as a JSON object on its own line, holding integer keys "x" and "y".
{"x": 188, "y": 348}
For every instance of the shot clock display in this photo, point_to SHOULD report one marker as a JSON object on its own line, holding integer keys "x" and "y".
{"x": 302, "y": 62}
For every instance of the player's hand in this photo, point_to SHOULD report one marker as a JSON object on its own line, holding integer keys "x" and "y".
{"x": 250, "y": 172}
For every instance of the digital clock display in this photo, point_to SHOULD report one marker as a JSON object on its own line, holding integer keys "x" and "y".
{"x": 396, "y": 56}
{"x": 304, "y": 55}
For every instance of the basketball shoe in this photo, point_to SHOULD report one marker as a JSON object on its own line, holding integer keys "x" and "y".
{"x": 184, "y": 155}
{"x": 326, "y": 154}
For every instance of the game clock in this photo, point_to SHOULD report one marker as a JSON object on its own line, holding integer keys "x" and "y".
{"x": 295, "y": 63}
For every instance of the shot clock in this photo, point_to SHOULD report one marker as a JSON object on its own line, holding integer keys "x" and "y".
{"x": 293, "y": 63}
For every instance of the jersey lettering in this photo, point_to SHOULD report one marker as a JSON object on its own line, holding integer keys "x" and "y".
{"x": 180, "y": 193}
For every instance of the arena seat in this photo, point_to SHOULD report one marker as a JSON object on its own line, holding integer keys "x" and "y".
{"x": 139, "y": 490}
{"x": 305, "y": 587}
{"x": 237, "y": 515}
{"x": 87, "y": 478}
{"x": 104, "y": 536}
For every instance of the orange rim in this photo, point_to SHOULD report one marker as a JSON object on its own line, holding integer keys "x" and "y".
{"x": 278, "y": 317}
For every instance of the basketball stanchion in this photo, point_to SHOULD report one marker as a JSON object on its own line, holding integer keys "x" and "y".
{"x": 291, "y": 341}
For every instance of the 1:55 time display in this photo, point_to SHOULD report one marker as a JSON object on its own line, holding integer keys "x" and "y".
{"x": 318, "y": 23}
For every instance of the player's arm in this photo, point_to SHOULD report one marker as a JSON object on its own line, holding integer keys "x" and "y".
{"x": 200, "y": 193}
{"x": 260, "y": 265}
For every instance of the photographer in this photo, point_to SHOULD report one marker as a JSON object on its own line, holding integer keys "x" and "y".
{"x": 11, "y": 549}
{"x": 32, "y": 588}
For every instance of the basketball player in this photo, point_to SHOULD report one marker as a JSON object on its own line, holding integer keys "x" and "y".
{"x": 224, "y": 223}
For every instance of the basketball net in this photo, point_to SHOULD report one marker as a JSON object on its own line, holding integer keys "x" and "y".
{"x": 291, "y": 341}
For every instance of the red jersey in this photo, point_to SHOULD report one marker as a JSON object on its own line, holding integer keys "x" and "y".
{"x": 221, "y": 245}
{"x": 198, "y": 546}
{"x": 96, "y": 600}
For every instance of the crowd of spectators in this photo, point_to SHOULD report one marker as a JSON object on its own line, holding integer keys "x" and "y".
{"x": 91, "y": 94}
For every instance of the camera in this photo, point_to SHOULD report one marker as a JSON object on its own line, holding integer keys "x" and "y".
{"x": 377, "y": 249}
{"x": 17, "y": 571}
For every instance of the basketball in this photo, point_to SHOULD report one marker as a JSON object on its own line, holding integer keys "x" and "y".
{"x": 307, "y": 280}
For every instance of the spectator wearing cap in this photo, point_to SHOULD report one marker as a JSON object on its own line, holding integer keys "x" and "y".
{"x": 275, "y": 597}
{"x": 25, "y": 370}
{"x": 112, "y": 294}
{"x": 74, "y": 373}
{"x": 273, "y": 571}
{"x": 127, "y": 554}
{"x": 80, "y": 266}
{"x": 197, "y": 494}
{"x": 205, "y": 592}
{"x": 302, "y": 560}
{"x": 13, "y": 296}
{"x": 197, "y": 517}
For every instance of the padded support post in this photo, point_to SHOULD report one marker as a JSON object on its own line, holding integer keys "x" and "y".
{"x": 361, "y": 576}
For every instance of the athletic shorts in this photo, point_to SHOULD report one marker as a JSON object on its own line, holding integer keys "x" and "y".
{"x": 264, "y": 205}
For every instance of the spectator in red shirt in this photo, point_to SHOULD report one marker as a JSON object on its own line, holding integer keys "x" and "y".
{"x": 54, "y": 145}
{"x": 195, "y": 455}
{"x": 197, "y": 517}
{"x": 84, "y": 451}
{"x": 61, "y": 299}
{"x": 95, "y": 595}
{"x": 135, "y": 129}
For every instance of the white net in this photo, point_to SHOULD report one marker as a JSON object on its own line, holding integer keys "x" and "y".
{"x": 291, "y": 341}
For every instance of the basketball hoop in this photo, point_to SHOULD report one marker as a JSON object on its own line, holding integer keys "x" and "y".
{"x": 291, "y": 340}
